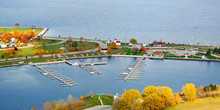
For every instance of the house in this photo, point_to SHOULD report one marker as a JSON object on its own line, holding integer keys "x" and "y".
{"x": 144, "y": 45}
{"x": 2, "y": 45}
{"x": 157, "y": 53}
{"x": 130, "y": 43}
{"x": 118, "y": 42}
{"x": 156, "y": 43}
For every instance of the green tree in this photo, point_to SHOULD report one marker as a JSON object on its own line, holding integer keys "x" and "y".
{"x": 215, "y": 51}
{"x": 189, "y": 92}
{"x": 208, "y": 52}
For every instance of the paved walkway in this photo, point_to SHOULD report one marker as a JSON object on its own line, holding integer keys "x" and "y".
{"x": 100, "y": 107}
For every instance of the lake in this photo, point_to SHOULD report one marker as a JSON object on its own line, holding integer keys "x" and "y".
{"x": 23, "y": 86}
{"x": 179, "y": 21}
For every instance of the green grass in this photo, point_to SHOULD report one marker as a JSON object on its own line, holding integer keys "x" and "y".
{"x": 212, "y": 57}
{"x": 44, "y": 41}
{"x": 93, "y": 101}
{"x": 29, "y": 51}
{"x": 8, "y": 29}
{"x": 208, "y": 103}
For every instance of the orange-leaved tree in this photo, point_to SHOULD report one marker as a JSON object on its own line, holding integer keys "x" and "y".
{"x": 143, "y": 49}
{"x": 109, "y": 49}
{"x": 114, "y": 46}
{"x": 40, "y": 54}
{"x": 99, "y": 48}
{"x": 19, "y": 53}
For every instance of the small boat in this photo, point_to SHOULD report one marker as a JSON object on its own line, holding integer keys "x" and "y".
{"x": 124, "y": 73}
{"x": 75, "y": 64}
{"x": 45, "y": 73}
{"x": 130, "y": 68}
{"x": 92, "y": 72}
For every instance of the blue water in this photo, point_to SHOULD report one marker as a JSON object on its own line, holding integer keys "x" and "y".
{"x": 23, "y": 86}
{"x": 180, "y": 21}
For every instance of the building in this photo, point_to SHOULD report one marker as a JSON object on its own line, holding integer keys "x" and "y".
{"x": 2, "y": 45}
{"x": 118, "y": 42}
{"x": 158, "y": 44}
{"x": 158, "y": 53}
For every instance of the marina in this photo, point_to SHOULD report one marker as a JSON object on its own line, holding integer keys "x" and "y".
{"x": 54, "y": 75}
{"x": 133, "y": 71}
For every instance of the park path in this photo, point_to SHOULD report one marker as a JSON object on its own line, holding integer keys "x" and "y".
{"x": 100, "y": 107}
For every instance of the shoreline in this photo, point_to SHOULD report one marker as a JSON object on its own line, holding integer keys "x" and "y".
{"x": 103, "y": 56}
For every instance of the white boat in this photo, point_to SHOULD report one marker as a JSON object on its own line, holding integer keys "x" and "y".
{"x": 92, "y": 72}
{"x": 125, "y": 73}
{"x": 75, "y": 64}
{"x": 130, "y": 68}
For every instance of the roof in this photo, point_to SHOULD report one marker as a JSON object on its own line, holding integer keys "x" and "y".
{"x": 158, "y": 52}
{"x": 118, "y": 41}
{"x": 159, "y": 43}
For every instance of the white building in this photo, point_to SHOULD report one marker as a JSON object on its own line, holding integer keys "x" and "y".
{"x": 2, "y": 45}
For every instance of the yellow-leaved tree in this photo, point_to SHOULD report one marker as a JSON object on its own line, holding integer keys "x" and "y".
{"x": 153, "y": 102}
{"x": 190, "y": 92}
{"x": 129, "y": 100}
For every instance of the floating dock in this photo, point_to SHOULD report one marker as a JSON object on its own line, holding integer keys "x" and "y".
{"x": 87, "y": 66}
{"x": 133, "y": 71}
{"x": 54, "y": 75}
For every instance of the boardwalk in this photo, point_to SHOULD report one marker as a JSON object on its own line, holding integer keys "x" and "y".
{"x": 54, "y": 75}
{"x": 133, "y": 71}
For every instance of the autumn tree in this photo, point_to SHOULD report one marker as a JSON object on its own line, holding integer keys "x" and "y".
{"x": 40, "y": 54}
{"x": 11, "y": 55}
{"x": 99, "y": 48}
{"x": 42, "y": 50}
{"x": 70, "y": 38}
{"x": 47, "y": 51}
{"x": 36, "y": 51}
{"x": 153, "y": 102}
{"x": 109, "y": 49}
{"x": 143, "y": 49}
{"x": 6, "y": 58}
{"x": 178, "y": 98}
{"x": 56, "y": 56}
{"x": 163, "y": 92}
{"x": 72, "y": 48}
{"x": 19, "y": 53}
{"x": 32, "y": 55}
{"x": 128, "y": 100}
{"x": 189, "y": 92}
{"x": 133, "y": 40}
{"x": 81, "y": 38}
{"x": 114, "y": 46}
{"x": 61, "y": 52}
{"x": 81, "y": 97}
{"x": 17, "y": 24}
{"x": 51, "y": 52}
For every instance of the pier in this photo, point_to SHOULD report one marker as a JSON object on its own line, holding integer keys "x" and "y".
{"x": 133, "y": 71}
{"x": 54, "y": 75}
{"x": 87, "y": 66}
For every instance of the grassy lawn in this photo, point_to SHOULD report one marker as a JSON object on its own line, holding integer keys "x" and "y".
{"x": 8, "y": 29}
{"x": 208, "y": 103}
{"x": 93, "y": 101}
{"x": 212, "y": 57}
{"x": 44, "y": 41}
{"x": 29, "y": 51}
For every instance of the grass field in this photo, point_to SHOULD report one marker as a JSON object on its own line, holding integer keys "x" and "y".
{"x": 29, "y": 51}
{"x": 8, "y": 29}
{"x": 208, "y": 103}
{"x": 93, "y": 101}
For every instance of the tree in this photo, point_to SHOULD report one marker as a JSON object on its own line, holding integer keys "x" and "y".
{"x": 70, "y": 38}
{"x": 99, "y": 48}
{"x": 114, "y": 46}
{"x": 109, "y": 49}
{"x": 178, "y": 98}
{"x": 19, "y": 53}
{"x": 47, "y": 51}
{"x": 208, "y": 52}
{"x": 162, "y": 91}
{"x": 36, "y": 51}
{"x": 72, "y": 48}
{"x": 81, "y": 97}
{"x": 42, "y": 50}
{"x": 81, "y": 38}
{"x": 11, "y": 55}
{"x": 143, "y": 49}
{"x": 128, "y": 100}
{"x": 36, "y": 46}
{"x": 51, "y": 52}
{"x": 56, "y": 56}
{"x": 81, "y": 48}
{"x": 17, "y": 24}
{"x": 32, "y": 55}
{"x": 153, "y": 102}
{"x": 40, "y": 54}
{"x": 61, "y": 52}
{"x": 6, "y": 58}
{"x": 215, "y": 51}
{"x": 133, "y": 40}
{"x": 189, "y": 92}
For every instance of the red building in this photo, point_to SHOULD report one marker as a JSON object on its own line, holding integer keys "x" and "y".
{"x": 156, "y": 43}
